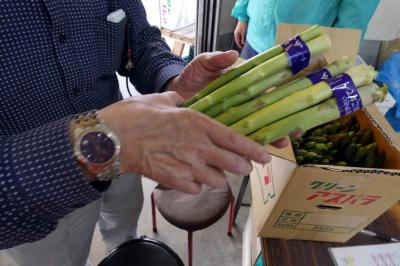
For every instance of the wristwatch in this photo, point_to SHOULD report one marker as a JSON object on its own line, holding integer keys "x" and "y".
{"x": 96, "y": 147}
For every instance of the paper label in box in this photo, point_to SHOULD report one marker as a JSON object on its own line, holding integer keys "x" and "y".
{"x": 265, "y": 177}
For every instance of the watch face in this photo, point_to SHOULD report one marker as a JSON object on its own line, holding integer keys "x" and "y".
{"x": 97, "y": 147}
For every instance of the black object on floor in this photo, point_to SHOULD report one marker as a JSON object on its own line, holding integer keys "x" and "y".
{"x": 143, "y": 251}
{"x": 239, "y": 198}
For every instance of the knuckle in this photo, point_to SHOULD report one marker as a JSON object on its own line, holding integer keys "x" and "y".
{"x": 187, "y": 112}
{"x": 171, "y": 94}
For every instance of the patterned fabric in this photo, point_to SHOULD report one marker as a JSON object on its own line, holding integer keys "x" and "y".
{"x": 59, "y": 58}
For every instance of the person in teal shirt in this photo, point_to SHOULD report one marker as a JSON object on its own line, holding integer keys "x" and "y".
{"x": 257, "y": 19}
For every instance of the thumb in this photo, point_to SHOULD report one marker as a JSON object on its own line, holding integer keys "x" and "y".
{"x": 218, "y": 61}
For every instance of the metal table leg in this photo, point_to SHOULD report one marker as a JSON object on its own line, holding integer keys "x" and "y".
{"x": 239, "y": 199}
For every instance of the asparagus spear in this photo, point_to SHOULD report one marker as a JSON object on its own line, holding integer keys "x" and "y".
{"x": 307, "y": 35}
{"x": 317, "y": 47}
{"x": 315, "y": 116}
{"x": 369, "y": 161}
{"x": 249, "y": 93}
{"x": 363, "y": 151}
{"x": 361, "y": 75}
{"x": 236, "y": 113}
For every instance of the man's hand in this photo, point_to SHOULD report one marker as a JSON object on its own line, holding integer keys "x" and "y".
{"x": 203, "y": 69}
{"x": 240, "y": 33}
{"x": 178, "y": 147}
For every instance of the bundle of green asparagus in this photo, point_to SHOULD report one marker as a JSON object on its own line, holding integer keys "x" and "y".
{"x": 251, "y": 101}
{"x": 255, "y": 70}
{"x": 339, "y": 143}
{"x": 259, "y": 59}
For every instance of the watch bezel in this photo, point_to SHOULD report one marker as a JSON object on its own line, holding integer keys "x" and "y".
{"x": 89, "y": 165}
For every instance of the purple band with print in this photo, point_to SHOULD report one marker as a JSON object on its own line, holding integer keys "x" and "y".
{"x": 347, "y": 98}
{"x": 297, "y": 53}
{"x": 319, "y": 75}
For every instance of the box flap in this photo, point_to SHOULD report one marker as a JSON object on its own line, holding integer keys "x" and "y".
{"x": 385, "y": 137}
{"x": 285, "y": 153}
{"x": 380, "y": 121}
{"x": 344, "y": 41}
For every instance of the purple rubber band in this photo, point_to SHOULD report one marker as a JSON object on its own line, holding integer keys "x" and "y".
{"x": 319, "y": 75}
{"x": 297, "y": 53}
{"x": 347, "y": 98}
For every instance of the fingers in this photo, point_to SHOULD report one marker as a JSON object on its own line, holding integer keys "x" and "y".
{"x": 228, "y": 161}
{"x": 189, "y": 178}
{"x": 296, "y": 134}
{"x": 165, "y": 99}
{"x": 210, "y": 176}
{"x": 229, "y": 140}
{"x": 186, "y": 186}
{"x": 243, "y": 38}
{"x": 238, "y": 40}
{"x": 217, "y": 61}
{"x": 281, "y": 143}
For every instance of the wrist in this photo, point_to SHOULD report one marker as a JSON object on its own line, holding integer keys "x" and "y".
{"x": 96, "y": 147}
{"x": 172, "y": 84}
{"x": 71, "y": 129}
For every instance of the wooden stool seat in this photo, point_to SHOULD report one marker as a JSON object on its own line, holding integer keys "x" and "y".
{"x": 193, "y": 212}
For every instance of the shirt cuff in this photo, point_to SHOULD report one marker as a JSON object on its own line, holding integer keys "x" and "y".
{"x": 165, "y": 74}
{"x": 243, "y": 18}
{"x": 48, "y": 177}
{"x": 240, "y": 15}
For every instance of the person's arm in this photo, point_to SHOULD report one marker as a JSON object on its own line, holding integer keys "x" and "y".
{"x": 239, "y": 11}
{"x": 154, "y": 64}
{"x": 355, "y": 14}
{"x": 40, "y": 182}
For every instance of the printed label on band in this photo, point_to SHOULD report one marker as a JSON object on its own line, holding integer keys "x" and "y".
{"x": 320, "y": 75}
{"x": 297, "y": 53}
{"x": 347, "y": 98}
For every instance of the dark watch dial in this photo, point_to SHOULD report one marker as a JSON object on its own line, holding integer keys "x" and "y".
{"x": 97, "y": 147}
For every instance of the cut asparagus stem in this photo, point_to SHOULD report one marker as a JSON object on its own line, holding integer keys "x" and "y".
{"x": 238, "y": 112}
{"x": 249, "y": 93}
{"x": 317, "y": 47}
{"x": 315, "y": 116}
{"x": 361, "y": 75}
{"x": 307, "y": 35}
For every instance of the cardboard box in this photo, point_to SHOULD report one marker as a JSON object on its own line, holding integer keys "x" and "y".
{"x": 177, "y": 14}
{"x": 321, "y": 202}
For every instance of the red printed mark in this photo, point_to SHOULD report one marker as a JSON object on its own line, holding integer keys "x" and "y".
{"x": 267, "y": 180}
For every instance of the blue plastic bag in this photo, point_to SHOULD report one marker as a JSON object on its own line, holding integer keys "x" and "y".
{"x": 390, "y": 75}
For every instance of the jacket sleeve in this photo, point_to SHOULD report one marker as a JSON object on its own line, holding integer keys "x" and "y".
{"x": 154, "y": 63}
{"x": 40, "y": 182}
{"x": 355, "y": 14}
{"x": 239, "y": 11}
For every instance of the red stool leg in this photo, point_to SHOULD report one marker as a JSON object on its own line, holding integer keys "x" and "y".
{"x": 153, "y": 213}
{"x": 231, "y": 214}
{"x": 190, "y": 248}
